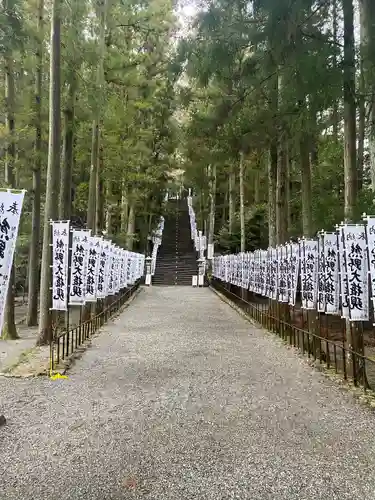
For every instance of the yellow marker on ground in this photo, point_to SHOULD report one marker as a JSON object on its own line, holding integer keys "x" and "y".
{"x": 57, "y": 376}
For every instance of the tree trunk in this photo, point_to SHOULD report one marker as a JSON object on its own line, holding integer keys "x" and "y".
{"x": 65, "y": 200}
{"x": 281, "y": 193}
{"x": 361, "y": 133}
{"x": 231, "y": 194}
{"x": 10, "y": 330}
{"x": 272, "y": 166}
{"x": 211, "y": 231}
{"x": 367, "y": 20}
{"x": 257, "y": 195}
{"x": 224, "y": 218}
{"x": 100, "y": 202}
{"x": 53, "y": 168}
{"x": 108, "y": 220}
{"x": 307, "y": 222}
{"x": 242, "y": 203}
{"x": 354, "y": 335}
{"x": 306, "y": 199}
{"x": 371, "y": 141}
{"x": 314, "y": 140}
{"x": 91, "y": 208}
{"x": 361, "y": 103}
{"x": 131, "y": 227}
{"x": 335, "y": 113}
{"x": 305, "y": 168}
{"x": 34, "y": 261}
{"x": 282, "y": 177}
{"x": 282, "y": 201}
{"x": 350, "y": 160}
{"x": 108, "y": 214}
{"x": 272, "y": 180}
{"x": 289, "y": 224}
{"x": 124, "y": 208}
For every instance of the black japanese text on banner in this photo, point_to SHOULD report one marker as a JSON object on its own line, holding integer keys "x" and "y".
{"x": 103, "y": 267}
{"x": 344, "y": 287}
{"x": 98, "y": 246}
{"x": 116, "y": 276}
{"x": 321, "y": 274}
{"x": 111, "y": 274}
{"x": 309, "y": 272}
{"x": 92, "y": 276}
{"x": 257, "y": 271}
{"x": 128, "y": 268}
{"x": 263, "y": 269}
{"x": 355, "y": 246}
{"x": 60, "y": 261}
{"x": 79, "y": 265}
{"x": 86, "y": 240}
{"x": 133, "y": 268}
{"x": 370, "y": 233}
{"x": 293, "y": 274}
{"x": 282, "y": 264}
{"x": 121, "y": 271}
{"x": 10, "y": 212}
{"x": 273, "y": 291}
{"x": 331, "y": 274}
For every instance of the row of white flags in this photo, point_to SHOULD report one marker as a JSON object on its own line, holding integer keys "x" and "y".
{"x": 98, "y": 268}
{"x": 156, "y": 240}
{"x": 200, "y": 241}
{"x": 335, "y": 273}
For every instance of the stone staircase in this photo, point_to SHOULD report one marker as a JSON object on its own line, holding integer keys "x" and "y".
{"x": 176, "y": 261}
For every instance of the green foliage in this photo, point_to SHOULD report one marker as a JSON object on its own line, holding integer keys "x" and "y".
{"x": 81, "y": 198}
{"x": 256, "y": 231}
{"x": 262, "y": 74}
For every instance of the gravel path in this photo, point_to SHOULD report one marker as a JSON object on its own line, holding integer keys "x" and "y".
{"x": 181, "y": 398}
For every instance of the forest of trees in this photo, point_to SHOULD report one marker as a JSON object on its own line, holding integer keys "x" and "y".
{"x": 87, "y": 126}
{"x": 268, "y": 105}
{"x": 279, "y": 97}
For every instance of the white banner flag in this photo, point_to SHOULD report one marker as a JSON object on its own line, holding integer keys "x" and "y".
{"x": 309, "y": 272}
{"x": 111, "y": 273}
{"x": 344, "y": 286}
{"x": 263, "y": 272}
{"x": 251, "y": 272}
{"x": 282, "y": 264}
{"x": 293, "y": 274}
{"x": 60, "y": 258}
{"x": 94, "y": 245}
{"x": 331, "y": 268}
{"x": 103, "y": 268}
{"x": 79, "y": 264}
{"x": 128, "y": 270}
{"x": 273, "y": 287}
{"x": 10, "y": 212}
{"x": 117, "y": 270}
{"x": 355, "y": 244}
{"x": 321, "y": 275}
{"x": 133, "y": 267}
{"x": 226, "y": 268}
{"x": 126, "y": 260}
{"x": 370, "y": 234}
{"x": 98, "y": 246}
{"x": 256, "y": 271}
{"x": 121, "y": 268}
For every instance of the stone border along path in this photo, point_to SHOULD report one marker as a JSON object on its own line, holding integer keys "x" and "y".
{"x": 182, "y": 398}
